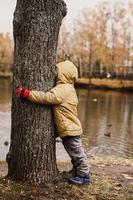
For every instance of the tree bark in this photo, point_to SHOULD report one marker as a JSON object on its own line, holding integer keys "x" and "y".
{"x": 32, "y": 151}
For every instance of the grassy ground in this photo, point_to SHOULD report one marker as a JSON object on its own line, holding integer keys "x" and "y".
{"x": 111, "y": 179}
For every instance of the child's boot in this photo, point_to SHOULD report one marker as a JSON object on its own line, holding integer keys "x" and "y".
{"x": 80, "y": 180}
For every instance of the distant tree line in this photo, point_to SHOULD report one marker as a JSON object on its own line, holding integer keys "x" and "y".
{"x": 6, "y": 52}
{"x": 100, "y": 42}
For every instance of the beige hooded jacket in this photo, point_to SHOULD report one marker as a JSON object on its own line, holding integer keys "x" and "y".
{"x": 64, "y": 98}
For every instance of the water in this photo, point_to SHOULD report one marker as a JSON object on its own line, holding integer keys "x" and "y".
{"x": 5, "y": 116}
{"x": 107, "y": 113}
{"x": 101, "y": 113}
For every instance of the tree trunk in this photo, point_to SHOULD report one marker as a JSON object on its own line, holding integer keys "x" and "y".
{"x": 32, "y": 151}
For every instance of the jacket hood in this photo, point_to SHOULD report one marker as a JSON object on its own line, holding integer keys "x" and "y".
{"x": 66, "y": 72}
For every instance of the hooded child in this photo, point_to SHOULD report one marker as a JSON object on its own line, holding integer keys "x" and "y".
{"x": 64, "y": 101}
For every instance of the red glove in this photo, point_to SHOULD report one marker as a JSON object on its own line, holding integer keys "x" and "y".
{"x": 22, "y": 92}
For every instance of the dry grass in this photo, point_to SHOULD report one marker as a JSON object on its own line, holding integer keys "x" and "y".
{"x": 110, "y": 160}
{"x": 5, "y": 74}
{"x": 104, "y": 185}
{"x": 107, "y": 83}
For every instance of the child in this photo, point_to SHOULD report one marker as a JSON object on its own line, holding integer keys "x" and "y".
{"x": 64, "y": 98}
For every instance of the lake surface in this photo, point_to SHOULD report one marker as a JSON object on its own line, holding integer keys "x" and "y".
{"x": 102, "y": 113}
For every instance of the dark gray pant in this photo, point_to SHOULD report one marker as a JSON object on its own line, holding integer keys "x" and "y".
{"x": 73, "y": 146}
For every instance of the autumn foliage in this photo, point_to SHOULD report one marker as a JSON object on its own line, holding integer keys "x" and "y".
{"x": 100, "y": 41}
{"x": 6, "y": 52}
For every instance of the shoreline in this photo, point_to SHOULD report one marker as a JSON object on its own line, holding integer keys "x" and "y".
{"x": 5, "y": 75}
{"x": 97, "y": 83}
{"x": 121, "y": 85}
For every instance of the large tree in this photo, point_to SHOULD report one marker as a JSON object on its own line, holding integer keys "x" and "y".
{"x": 32, "y": 151}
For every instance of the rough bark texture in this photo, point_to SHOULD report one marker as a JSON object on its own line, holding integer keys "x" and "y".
{"x": 32, "y": 151}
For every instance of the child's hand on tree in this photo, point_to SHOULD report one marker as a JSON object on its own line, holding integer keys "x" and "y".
{"x": 22, "y": 92}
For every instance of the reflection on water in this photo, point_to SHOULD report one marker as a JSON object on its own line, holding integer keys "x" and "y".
{"x": 101, "y": 113}
{"x": 107, "y": 113}
{"x": 5, "y": 117}
{"x": 5, "y": 94}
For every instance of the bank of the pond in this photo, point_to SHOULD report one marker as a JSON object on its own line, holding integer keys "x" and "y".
{"x": 5, "y": 75}
{"x": 106, "y": 83}
{"x": 111, "y": 179}
{"x": 114, "y": 84}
